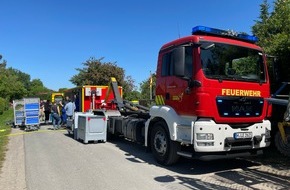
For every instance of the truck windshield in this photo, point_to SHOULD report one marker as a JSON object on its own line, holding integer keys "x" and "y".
{"x": 230, "y": 62}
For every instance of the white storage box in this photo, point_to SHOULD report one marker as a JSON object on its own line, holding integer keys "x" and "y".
{"x": 72, "y": 125}
{"x": 92, "y": 128}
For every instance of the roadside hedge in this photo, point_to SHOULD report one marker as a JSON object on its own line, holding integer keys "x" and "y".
{"x": 4, "y": 105}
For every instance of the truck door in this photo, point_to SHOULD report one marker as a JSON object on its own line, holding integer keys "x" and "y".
{"x": 175, "y": 86}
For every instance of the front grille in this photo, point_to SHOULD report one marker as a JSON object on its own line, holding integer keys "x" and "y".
{"x": 242, "y": 143}
{"x": 238, "y": 144}
{"x": 235, "y": 106}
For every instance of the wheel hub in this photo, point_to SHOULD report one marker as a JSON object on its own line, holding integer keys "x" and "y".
{"x": 160, "y": 143}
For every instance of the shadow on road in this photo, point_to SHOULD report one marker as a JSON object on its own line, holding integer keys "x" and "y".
{"x": 138, "y": 153}
{"x": 273, "y": 158}
{"x": 250, "y": 178}
{"x": 255, "y": 172}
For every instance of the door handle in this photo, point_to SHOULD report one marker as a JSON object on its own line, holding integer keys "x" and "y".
{"x": 167, "y": 96}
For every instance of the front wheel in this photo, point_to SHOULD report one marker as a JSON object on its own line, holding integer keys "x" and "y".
{"x": 163, "y": 148}
{"x": 283, "y": 147}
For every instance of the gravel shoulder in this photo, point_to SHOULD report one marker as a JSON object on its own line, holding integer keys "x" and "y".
{"x": 12, "y": 174}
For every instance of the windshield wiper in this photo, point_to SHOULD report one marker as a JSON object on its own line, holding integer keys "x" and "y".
{"x": 219, "y": 77}
{"x": 253, "y": 78}
{"x": 232, "y": 77}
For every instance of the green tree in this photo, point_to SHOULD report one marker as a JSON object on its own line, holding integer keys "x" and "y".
{"x": 133, "y": 95}
{"x": 37, "y": 89}
{"x": 4, "y": 105}
{"x": 10, "y": 85}
{"x": 145, "y": 90}
{"x": 62, "y": 89}
{"x": 15, "y": 84}
{"x": 129, "y": 89}
{"x": 261, "y": 28}
{"x": 98, "y": 72}
{"x": 273, "y": 31}
{"x": 23, "y": 77}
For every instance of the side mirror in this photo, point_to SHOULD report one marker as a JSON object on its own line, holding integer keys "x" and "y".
{"x": 178, "y": 61}
{"x": 194, "y": 83}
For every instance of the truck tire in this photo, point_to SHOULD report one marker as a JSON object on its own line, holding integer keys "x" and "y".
{"x": 283, "y": 148}
{"x": 164, "y": 150}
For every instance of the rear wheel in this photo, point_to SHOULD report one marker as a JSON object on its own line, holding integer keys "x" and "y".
{"x": 164, "y": 150}
{"x": 283, "y": 147}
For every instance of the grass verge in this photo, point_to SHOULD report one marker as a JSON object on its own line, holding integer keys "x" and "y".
{"x": 5, "y": 129}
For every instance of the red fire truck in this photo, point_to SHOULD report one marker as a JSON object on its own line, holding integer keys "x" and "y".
{"x": 210, "y": 100}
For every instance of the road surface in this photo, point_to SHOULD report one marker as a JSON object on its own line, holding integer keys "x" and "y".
{"x": 48, "y": 159}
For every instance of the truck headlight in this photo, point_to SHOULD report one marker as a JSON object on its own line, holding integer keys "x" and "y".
{"x": 204, "y": 136}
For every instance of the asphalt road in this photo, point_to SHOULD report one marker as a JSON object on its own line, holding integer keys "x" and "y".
{"x": 53, "y": 160}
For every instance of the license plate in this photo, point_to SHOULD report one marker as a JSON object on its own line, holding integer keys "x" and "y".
{"x": 243, "y": 135}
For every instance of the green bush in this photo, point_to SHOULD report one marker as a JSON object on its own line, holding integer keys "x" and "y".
{"x": 5, "y": 130}
{"x": 4, "y": 105}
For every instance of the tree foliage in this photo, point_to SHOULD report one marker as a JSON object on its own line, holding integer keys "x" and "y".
{"x": 10, "y": 86}
{"x": 145, "y": 88}
{"x": 23, "y": 77}
{"x": 62, "y": 89}
{"x": 98, "y": 72}
{"x": 133, "y": 95}
{"x": 4, "y": 105}
{"x": 129, "y": 89}
{"x": 273, "y": 31}
{"x": 37, "y": 89}
{"x": 15, "y": 84}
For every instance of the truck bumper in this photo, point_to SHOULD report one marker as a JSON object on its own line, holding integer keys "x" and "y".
{"x": 211, "y": 137}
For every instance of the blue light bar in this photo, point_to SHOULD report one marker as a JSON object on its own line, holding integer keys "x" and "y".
{"x": 219, "y": 32}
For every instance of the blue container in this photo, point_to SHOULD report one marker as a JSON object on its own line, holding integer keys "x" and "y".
{"x": 32, "y": 121}
{"x": 31, "y": 106}
{"x": 19, "y": 121}
{"x": 32, "y": 113}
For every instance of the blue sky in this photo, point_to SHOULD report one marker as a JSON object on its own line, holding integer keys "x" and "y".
{"x": 49, "y": 39}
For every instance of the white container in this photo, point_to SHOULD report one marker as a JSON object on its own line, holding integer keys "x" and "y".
{"x": 72, "y": 125}
{"x": 92, "y": 128}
